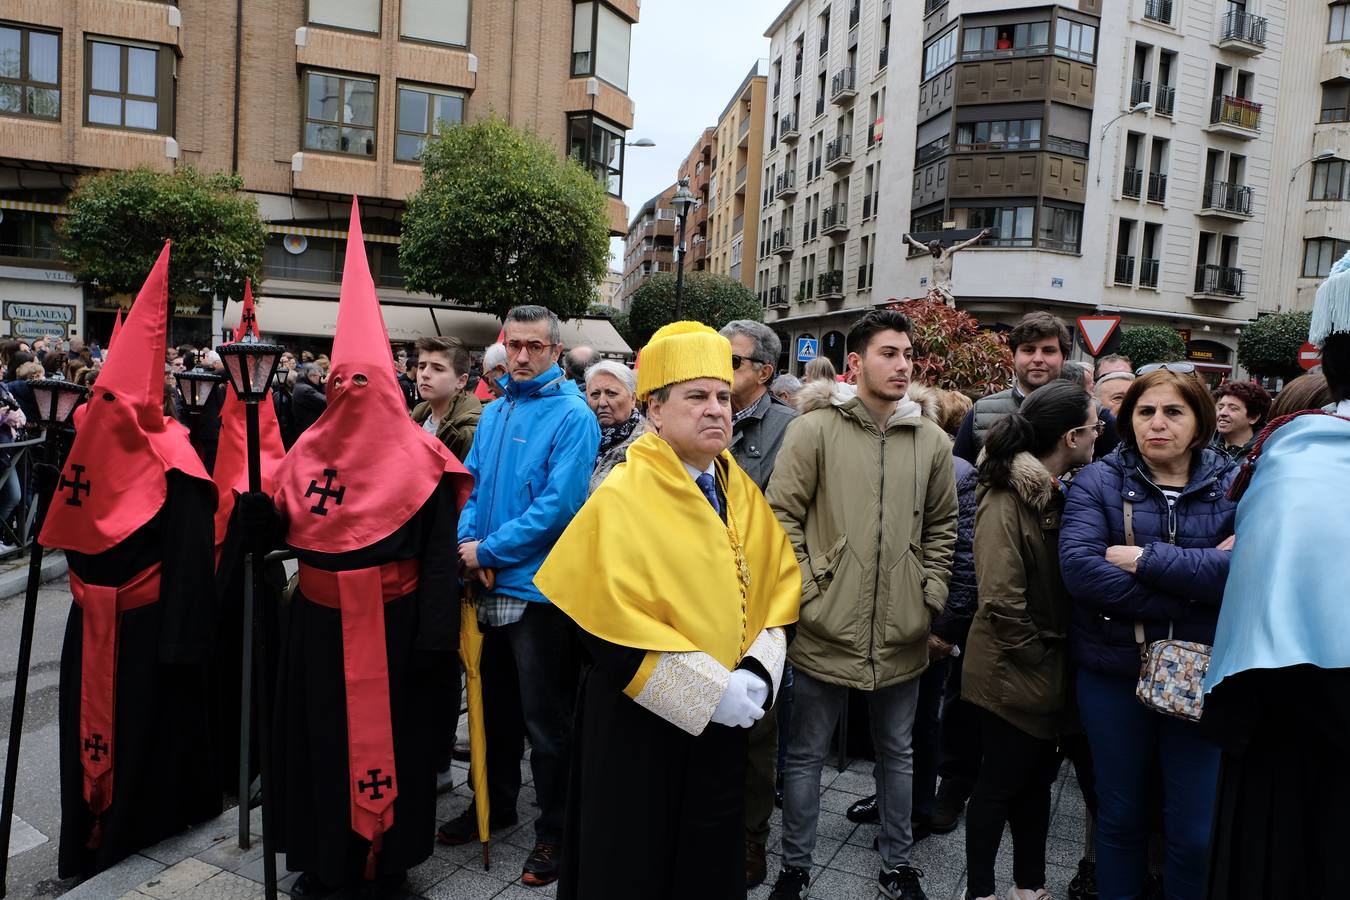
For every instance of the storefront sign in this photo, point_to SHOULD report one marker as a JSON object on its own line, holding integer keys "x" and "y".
{"x": 38, "y": 312}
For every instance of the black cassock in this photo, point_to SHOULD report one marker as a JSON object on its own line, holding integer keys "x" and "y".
{"x": 164, "y": 753}
{"x": 1280, "y": 826}
{"x": 422, "y": 638}
{"x": 653, "y": 811}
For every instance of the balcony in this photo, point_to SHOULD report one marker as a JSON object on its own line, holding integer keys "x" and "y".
{"x": 883, "y": 58}
{"x": 785, "y": 186}
{"x": 874, "y": 130}
{"x": 932, "y": 6}
{"x": 777, "y": 296}
{"x": 744, "y": 129}
{"x": 1235, "y": 117}
{"x": 834, "y": 219}
{"x": 1158, "y": 11}
{"x": 824, "y": 43}
{"x": 1227, "y": 201}
{"x": 1140, "y": 91}
{"x": 844, "y": 87}
{"x": 1148, "y": 273}
{"x": 1157, "y": 187}
{"x": 1242, "y": 33}
{"x": 740, "y": 179}
{"x": 854, "y": 13}
{"x": 1125, "y": 270}
{"x": 820, "y": 105}
{"x": 865, "y": 280}
{"x": 839, "y": 152}
{"x": 830, "y": 285}
{"x": 788, "y": 128}
{"x": 1167, "y": 100}
{"x": 1133, "y": 184}
{"x": 738, "y": 224}
{"x": 1218, "y": 282}
{"x": 781, "y": 242}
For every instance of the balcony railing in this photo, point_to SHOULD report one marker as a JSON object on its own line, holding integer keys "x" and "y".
{"x": 931, "y": 151}
{"x": 1236, "y": 111}
{"x": 844, "y": 84}
{"x": 1167, "y": 100}
{"x": 1148, "y": 272}
{"x": 824, "y": 43}
{"x": 1243, "y": 26}
{"x": 781, "y": 242}
{"x": 778, "y": 295}
{"x": 883, "y": 57}
{"x": 1224, "y": 281}
{"x": 932, "y": 6}
{"x": 834, "y": 218}
{"x": 785, "y": 184}
{"x": 873, "y": 134}
{"x": 867, "y": 207}
{"x": 820, "y": 105}
{"x": 738, "y": 224}
{"x": 1157, "y": 187}
{"x": 1133, "y": 183}
{"x": 740, "y": 176}
{"x": 1158, "y": 11}
{"x": 1124, "y": 269}
{"x": 854, "y": 13}
{"x": 787, "y": 127}
{"x": 745, "y": 127}
{"x": 805, "y": 287}
{"x": 839, "y": 151}
{"x": 830, "y": 285}
{"x": 1233, "y": 198}
{"x": 864, "y": 277}
{"x": 1140, "y": 91}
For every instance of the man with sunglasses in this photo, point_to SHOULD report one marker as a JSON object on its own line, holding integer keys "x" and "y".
{"x": 758, "y": 422}
{"x": 531, "y": 461}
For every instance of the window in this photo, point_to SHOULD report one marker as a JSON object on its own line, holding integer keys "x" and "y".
{"x": 129, "y": 86}
{"x": 27, "y": 235}
{"x": 340, "y": 114}
{"x": 30, "y": 73}
{"x": 1330, "y": 180}
{"x": 303, "y": 258}
{"x": 600, "y": 39}
{"x": 355, "y": 15}
{"x": 599, "y": 147}
{"x": 1335, "y": 100}
{"x": 1008, "y": 40}
{"x": 439, "y": 21}
{"x": 1075, "y": 40}
{"x": 1339, "y": 29}
{"x": 939, "y": 55}
{"x": 1014, "y": 134}
{"x": 421, "y": 114}
{"x": 1013, "y": 224}
{"x": 1320, "y": 253}
{"x": 1060, "y": 229}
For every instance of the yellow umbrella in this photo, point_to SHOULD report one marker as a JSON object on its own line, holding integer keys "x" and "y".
{"x": 471, "y": 653}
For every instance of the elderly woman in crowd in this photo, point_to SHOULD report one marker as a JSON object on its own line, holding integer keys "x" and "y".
{"x": 611, "y": 392}
{"x": 1144, "y": 553}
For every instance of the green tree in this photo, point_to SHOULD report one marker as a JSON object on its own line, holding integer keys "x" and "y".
{"x": 1270, "y": 345}
{"x": 711, "y": 299}
{"x": 501, "y": 220}
{"x": 118, "y": 222}
{"x": 951, "y": 352}
{"x": 1145, "y": 344}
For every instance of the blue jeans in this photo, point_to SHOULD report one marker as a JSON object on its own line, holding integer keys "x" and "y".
{"x": 928, "y": 735}
{"x": 1128, "y": 741}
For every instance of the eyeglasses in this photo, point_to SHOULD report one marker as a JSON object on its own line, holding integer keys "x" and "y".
{"x": 737, "y": 360}
{"x": 1097, "y": 428}
{"x": 1180, "y": 368}
{"x": 536, "y": 348}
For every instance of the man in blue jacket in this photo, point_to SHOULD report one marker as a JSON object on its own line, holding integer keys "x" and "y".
{"x": 531, "y": 461}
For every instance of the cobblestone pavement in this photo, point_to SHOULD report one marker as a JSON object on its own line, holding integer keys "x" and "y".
{"x": 205, "y": 863}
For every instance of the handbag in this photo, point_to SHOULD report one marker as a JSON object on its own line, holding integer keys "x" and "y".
{"x": 1171, "y": 672}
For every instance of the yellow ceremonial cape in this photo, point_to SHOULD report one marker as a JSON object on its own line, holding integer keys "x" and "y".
{"x": 647, "y": 563}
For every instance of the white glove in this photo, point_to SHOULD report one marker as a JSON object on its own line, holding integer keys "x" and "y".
{"x": 739, "y": 706}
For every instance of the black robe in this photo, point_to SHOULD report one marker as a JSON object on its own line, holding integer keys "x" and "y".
{"x": 164, "y": 754}
{"x": 313, "y": 811}
{"x": 1280, "y": 826}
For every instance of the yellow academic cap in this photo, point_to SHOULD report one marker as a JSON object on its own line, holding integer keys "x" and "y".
{"x": 683, "y": 351}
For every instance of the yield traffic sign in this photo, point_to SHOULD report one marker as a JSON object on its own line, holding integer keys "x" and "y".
{"x": 1096, "y": 331}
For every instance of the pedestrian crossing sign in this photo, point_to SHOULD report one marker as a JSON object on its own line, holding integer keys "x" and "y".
{"x": 807, "y": 349}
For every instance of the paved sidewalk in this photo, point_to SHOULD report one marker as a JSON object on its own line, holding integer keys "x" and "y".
{"x": 205, "y": 863}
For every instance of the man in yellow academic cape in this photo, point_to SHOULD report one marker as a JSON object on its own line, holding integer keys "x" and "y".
{"x": 683, "y": 583}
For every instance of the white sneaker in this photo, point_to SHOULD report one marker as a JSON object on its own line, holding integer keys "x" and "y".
{"x": 1016, "y": 893}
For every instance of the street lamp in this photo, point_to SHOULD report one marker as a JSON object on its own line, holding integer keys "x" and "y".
{"x": 1142, "y": 106}
{"x": 56, "y": 401}
{"x": 683, "y": 201}
{"x": 1326, "y": 153}
{"x": 641, "y": 142}
{"x": 251, "y": 365}
{"x": 1323, "y": 154}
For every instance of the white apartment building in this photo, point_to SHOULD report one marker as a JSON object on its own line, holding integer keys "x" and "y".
{"x": 1310, "y": 171}
{"x": 1016, "y": 116}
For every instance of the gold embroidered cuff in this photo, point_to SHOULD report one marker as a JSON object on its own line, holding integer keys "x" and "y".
{"x": 770, "y": 650}
{"x": 682, "y": 688}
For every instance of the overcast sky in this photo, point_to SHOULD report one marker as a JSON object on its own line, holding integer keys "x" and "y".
{"x": 687, "y": 58}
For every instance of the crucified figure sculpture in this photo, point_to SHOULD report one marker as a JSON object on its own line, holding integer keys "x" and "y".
{"x": 941, "y": 282}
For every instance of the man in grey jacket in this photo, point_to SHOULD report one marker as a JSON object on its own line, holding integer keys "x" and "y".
{"x": 758, "y": 422}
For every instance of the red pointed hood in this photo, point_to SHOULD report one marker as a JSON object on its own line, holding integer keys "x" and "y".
{"x": 231, "y": 471}
{"x": 117, "y": 328}
{"x": 364, "y": 468}
{"x": 114, "y": 480}
{"x": 248, "y": 318}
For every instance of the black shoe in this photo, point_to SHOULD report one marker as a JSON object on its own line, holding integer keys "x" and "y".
{"x": 946, "y": 813}
{"x": 463, "y": 828}
{"x": 902, "y": 883}
{"x": 541, "y": 866}
{"x": 1084, "y": 884}
{"x": 864, "y": 811}
{"x": 309, "y": 885}
{"x": 756, "y": 865}
{"x": 791, "y": 884}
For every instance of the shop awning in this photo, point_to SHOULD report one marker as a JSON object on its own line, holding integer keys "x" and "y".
{"x": 301, "y": 317}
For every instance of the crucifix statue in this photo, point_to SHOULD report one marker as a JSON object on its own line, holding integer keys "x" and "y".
{"x": 940, "y": 286}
